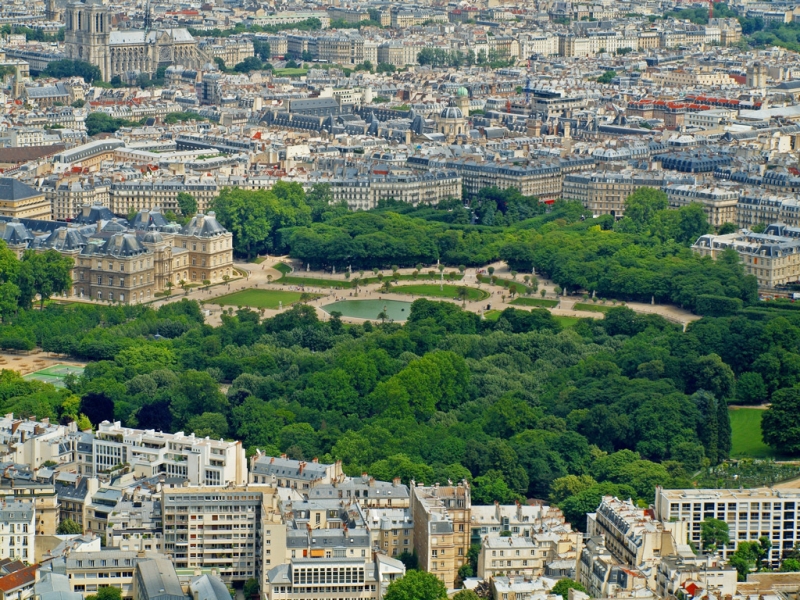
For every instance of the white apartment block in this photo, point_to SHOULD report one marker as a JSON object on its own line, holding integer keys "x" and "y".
{"x": 201, "y": 461}
{"x": 750, "y": 514}
{"x": 17, "y": 530}
{"x": 719, "y": 204}
{"x": 31, "y": 442}
{"x": 236, "y": 530}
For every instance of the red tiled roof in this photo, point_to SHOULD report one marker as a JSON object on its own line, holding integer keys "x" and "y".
{"x": 17, "y": 579}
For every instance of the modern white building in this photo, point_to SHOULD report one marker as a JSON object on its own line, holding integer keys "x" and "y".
{"x": 750, "y": 514}
{"x": 201, "y": 461}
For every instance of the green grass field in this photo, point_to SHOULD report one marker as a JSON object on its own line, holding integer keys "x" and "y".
{"x": 258, "y": 298}
{"x": 330, "y": 283}
{"x": 290, "y": 72}
{"x": 521, "y": 287}
{"x": 746, "y": 432}
{"x": 539, "y": 302}
{"x": 567, "y": 322}
{"x": 446, "y": 291}
{"x": 492, "y": 315}
{"x": 591, "y": 307}
{"x": 282, "y": 268}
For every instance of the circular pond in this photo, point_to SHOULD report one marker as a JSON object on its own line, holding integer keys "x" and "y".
{"x": 370, "y": 309}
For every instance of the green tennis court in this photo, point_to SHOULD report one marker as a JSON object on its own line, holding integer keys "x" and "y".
{"x": 55, "y": 374}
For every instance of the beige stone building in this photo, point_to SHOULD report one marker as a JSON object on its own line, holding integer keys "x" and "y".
{"x": 719, "y": 204}
{"x": 18, "y": 200}
{"x": 605, "y": 192}
{"x": 773, "y": 257}
{"x": 631, "y": 533}
{"x": 441, "y": 528}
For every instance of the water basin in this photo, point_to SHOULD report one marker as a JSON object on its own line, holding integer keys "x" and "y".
{"x": 370, "y": 309}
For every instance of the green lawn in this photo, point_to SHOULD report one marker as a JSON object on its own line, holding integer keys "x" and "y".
{"x": 446, "y": 291}
{"x": 591, "y": 307}
{"x": 331, "y": 283}
{"x": 492, "y": 315}
{"x": 746, "y": 432}
{"x": 258, "y": 298}
{"x": 290, "y": 72}
{"x": 282, "y": 268}
{"x": 521, "y": 287}
{"x": 540, "y": 302}
{"x": 567, "y": 322}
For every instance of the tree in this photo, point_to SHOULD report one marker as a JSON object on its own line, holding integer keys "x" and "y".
{"x": 727, "y": 228}
{"x": 465, "y": 594}
{"x": 69, "y": 527}
{"x": 211, "y": 424}
{"x": 386, "y": 68}
{"x": 607, "y": 76}
{"x": 463, "y": 294}
{"x": 108, "y": 592}
{"x": 72, "y": 68}
{"x": 45, "y": 274}
{"x": 251, "y": 63}
{"x": 563, "y": 587}
{"x": 790, "y": 565}
{"x": 713, "y": 534}
{"x": 780, "y": 425}
{"x": 250, "y": 588}
{"x": 187, "y": 204}
{"x": 9, "y": 300}
{"x": 417, "y": 585}
{"x": 642, "y": 205}
{"x": 749, "y": 556}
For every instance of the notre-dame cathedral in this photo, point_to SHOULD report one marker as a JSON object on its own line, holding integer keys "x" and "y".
{"x": 89, "y": 37}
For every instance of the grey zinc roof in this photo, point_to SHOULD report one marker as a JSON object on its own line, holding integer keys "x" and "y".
{"x": 204, "y": 226}
{"x": 209, "y": 587}
{"x": 159, "y": 579}
{"x": 11, "y": 189}
{"x": 284, "y": 467}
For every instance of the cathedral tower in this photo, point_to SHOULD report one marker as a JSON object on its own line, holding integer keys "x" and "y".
{"x": 87, "y": 35}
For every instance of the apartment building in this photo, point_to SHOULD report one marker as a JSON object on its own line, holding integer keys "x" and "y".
{"x": 398, "y": 53}
{"x": 163, "y": 193}
{"x": 353, "y": 578}
{"x": 235, "y": 530}
{"x": 511, "y": 555}
{"x": 88, "y": 571}
{"x": 756, "y": 208}
{"x": 719, "y": 204}
{"x": 694, "y": 78}
{"x": 605, "y": 192}
{"x": 281, "y": 471}
{"x": 200, "y": 461}
{"x": 67, "y": 197}
{"x": 136, "y": 524}
{"x": 341, "y": 49}
{"x": 597, "y": 569}
{"x": 676, "y": 573}
{"x": 773, "y": 257}
{"x": 363, "y": 192}
{"x": 348, "y": 15}
{"x": 441, "y": 528}
{"x": 17, "y": 530}
{"x": 518, "y": 519}
{"x": 74, "y": 496}
{"x": 391, "y": 530}
{"x": 631, "y": 533}
{"x": 231, "y": 50}
{"x": 40, "y": 494}
{"x": 364, "y": 490}
{"x": 750, "y": 514}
